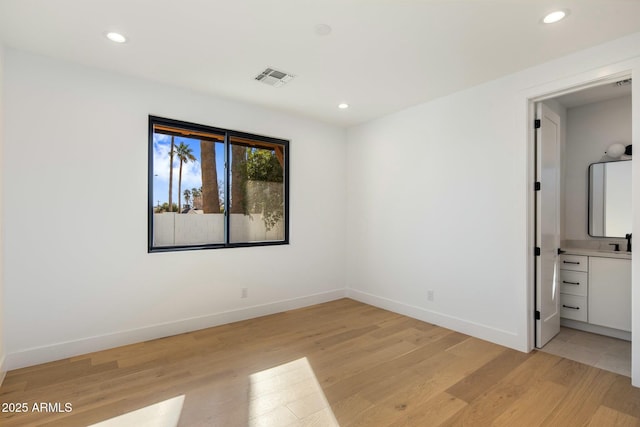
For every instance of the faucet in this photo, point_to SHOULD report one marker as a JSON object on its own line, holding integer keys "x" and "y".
{"x": 628, "y": 237}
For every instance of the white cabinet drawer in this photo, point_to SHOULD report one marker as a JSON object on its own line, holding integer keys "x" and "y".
{"x": 573, "y": 307}
{"x": 574, "y": 262}
{"x": 574, "y": 282}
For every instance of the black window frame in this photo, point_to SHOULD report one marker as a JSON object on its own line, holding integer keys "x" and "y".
{"x": 228, "y": 135}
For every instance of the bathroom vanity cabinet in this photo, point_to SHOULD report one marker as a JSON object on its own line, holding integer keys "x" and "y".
{"x": 574, "y": 290}
{"x": 596, "y": 291}
{"x": 610, "y": 292}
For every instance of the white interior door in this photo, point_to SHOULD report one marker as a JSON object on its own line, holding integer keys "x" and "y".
{"x": 547, "y": 224}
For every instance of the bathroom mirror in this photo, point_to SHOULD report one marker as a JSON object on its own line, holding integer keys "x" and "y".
{"x": 610, "y": 199}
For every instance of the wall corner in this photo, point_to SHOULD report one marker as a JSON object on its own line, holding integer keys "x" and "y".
{"x": 2, "y": 311}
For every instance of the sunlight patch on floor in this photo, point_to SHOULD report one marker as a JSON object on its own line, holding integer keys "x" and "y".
{"x": 161, "y": 414}
{"x": 288, "y": 395}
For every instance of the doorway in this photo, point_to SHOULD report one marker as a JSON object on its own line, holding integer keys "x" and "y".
{"x": 562, "y": 227}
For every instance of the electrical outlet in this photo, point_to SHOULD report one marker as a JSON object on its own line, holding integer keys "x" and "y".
{"x": 245, "y": 293}
{"x": 430, "y": 295}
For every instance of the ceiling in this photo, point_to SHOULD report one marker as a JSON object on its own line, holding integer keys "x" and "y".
{"x": 599, "y": 93}
{"x": 380, "y": 57}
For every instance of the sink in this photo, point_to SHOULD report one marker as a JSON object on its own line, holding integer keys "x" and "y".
{"x": 599, "y": 252}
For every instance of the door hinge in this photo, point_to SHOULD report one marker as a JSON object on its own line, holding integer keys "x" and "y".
{"x": 536, "y": 251}
{"x": 537, "y": 315}
{"x": 537, "y": 124}
{"x": 536, "y": 186}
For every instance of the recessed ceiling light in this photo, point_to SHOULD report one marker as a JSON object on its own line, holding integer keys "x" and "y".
{"x": 323, "y": 30}
{"x": 116, "y": 37}
{"x": 343, "y": 106}
{"x": 556, "y": 16}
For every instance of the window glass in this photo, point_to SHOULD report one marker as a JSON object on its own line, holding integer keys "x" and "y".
{"x": 190, "y": 188}
{"x": 257, "y": 191}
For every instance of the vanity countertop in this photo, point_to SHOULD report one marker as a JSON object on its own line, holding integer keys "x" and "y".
{"x": 597, "y": 252}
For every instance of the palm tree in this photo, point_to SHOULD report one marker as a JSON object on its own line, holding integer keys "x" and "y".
{"x": 185, "y": 155}
{"x": 238, "y": 179}
{"x": 171, "y": 153}
{"x": 187, "y": 196}
{"x": 197, "y": 201}
{"x": 210, "y": 200}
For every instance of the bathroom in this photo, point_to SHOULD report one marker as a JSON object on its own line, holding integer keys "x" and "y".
{"x": 594, "y": 267}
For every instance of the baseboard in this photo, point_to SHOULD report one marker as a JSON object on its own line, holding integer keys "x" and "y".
{"x": 484, "y": 332}
{"x": 49, "y": 353}
{"x": 601, "y": 330}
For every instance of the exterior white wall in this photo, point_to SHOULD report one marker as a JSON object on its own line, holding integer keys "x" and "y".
{"x": 251, "y": 228}
{"x": 454, "y": 179}
{"x": 78, "y": 277}
{"x": 591, "y": 129}
{"x": 172, "y": 229}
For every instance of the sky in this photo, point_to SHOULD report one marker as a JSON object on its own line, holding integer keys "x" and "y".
{"x": 191, "y": 172}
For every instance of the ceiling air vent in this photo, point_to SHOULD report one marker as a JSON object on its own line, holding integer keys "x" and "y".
{"x": 274, "y": 78}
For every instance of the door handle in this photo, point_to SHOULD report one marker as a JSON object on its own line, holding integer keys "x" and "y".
{"x": 570, "y": 283}
{"x": 571, "y": 307}
{"x": 571, "y": 262}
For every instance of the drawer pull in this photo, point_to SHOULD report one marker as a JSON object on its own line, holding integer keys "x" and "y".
{"x": 571, "y": 307}
{"x": 570, "y": 283}
{"x": 571, "y": 262}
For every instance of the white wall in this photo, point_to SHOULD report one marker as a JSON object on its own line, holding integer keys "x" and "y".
{"x": 449, "y": 177}
{"x": 454, "y": 178}
{"x": 635, "y": 264}
{"x": 591, "y": 129}
{"x": 77, "y": 273}
{"x": 2, "y": 307}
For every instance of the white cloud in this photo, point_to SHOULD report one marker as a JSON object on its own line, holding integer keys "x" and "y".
{"x": 191, "y": 172}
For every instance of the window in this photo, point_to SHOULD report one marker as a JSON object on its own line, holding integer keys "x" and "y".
{"x": 215, "y": 188}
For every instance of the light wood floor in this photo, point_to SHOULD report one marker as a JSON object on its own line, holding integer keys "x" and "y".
{"x": 373, "y": 367}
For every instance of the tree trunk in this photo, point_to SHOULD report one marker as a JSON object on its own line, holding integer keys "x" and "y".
{"x": 171, "y": 176}
{"x": 210, "y": 191}
{"x": 180, "y": 188}
{"x": 238, "y": 179}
